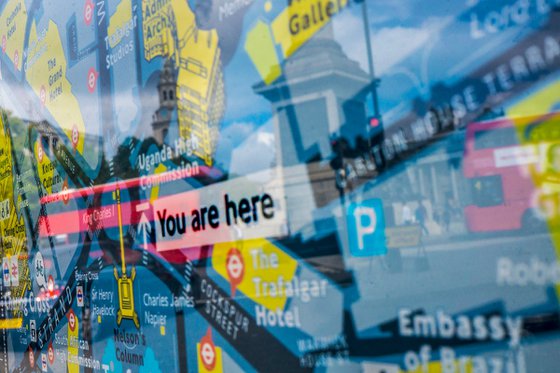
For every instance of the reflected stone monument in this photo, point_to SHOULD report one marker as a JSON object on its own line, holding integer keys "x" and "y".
{"x": 321, "y": 94}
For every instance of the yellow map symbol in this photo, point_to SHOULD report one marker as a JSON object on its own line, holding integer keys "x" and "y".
{"x": 540, "y": 104}
{"x": 12, "y": 31}
{"x": 169, "y": 31}
{"x": 266, "y": 268}
{"x": 47, "y": 77}
{"x": 290, "y": 30}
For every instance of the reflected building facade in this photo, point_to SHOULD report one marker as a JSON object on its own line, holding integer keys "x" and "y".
{"x": 167, "y": 87}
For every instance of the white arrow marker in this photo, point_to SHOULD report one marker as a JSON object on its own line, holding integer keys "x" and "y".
{"x": 145, "y": 227}
{"x": 144, "y": 224}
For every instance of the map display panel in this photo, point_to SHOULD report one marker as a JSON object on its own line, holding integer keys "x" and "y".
{"x": 300, "y": 185}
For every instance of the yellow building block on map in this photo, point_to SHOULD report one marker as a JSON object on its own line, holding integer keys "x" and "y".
{"x": 12, "y": 31}
{"x": 539, "y": 103}
{"x": 45, "y": 168}
{"x": 260, "y": 48}
{"x": 200, "y": 92}
{"x": 47, "y": 76}
{"x": 72, "y": 337}
{"x": 118, "y": 23}
{"x": 295, "y": 25}
{"x": 253, "y": 270}
{"x": 165, "y": 24}
{"x": 436, "y": 367}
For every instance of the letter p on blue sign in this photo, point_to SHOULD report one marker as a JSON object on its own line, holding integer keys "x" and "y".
{"x": 366, "y": 228}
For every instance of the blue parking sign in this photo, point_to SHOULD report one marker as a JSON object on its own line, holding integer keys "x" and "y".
{"x": 366, "y": 228}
